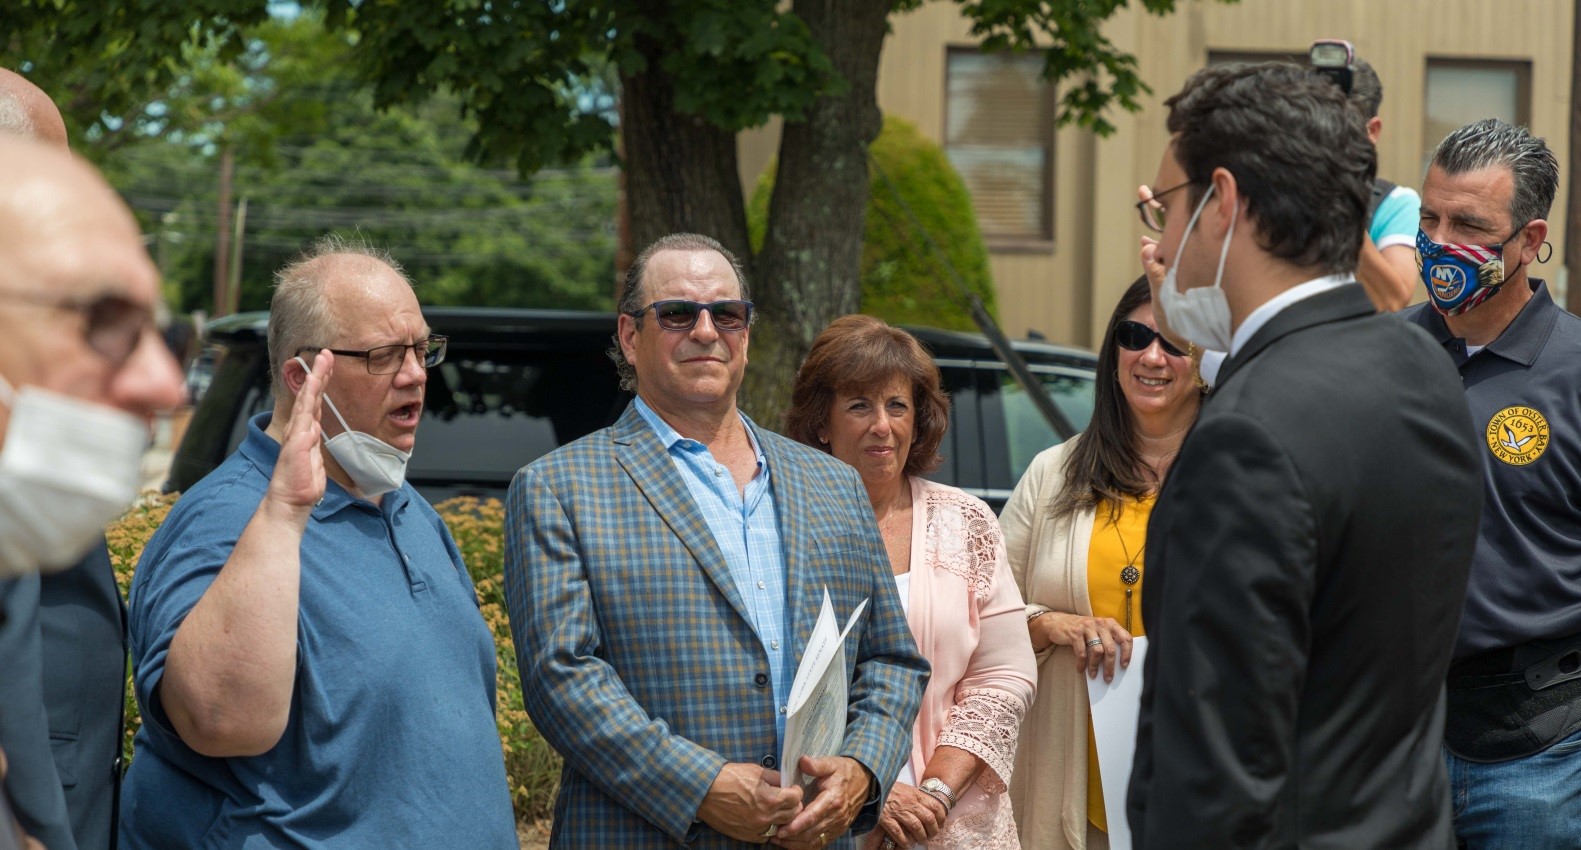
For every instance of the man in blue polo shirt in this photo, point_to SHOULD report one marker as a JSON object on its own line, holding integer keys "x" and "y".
{"x": 306, "y": 644}
{"x": 1513, "y": 730}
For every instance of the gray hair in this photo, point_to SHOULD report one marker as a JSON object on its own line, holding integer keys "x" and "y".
{"x": 299, "y": 314}
{"x": 631, "y": 292}
{"x": 1491, "y": 142}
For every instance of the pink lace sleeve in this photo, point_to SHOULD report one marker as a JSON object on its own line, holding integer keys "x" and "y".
{"x": 985, "y": 723}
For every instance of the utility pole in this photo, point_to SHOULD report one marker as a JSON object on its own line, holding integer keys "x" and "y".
{"x": 222, "y": 236}
{"x": 233, "y": 289}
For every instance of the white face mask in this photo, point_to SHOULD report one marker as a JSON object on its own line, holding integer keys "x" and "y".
{"x": 68, "y": 467}
{"x": 376, "y": 467}
{"x": 1201, "y": 315}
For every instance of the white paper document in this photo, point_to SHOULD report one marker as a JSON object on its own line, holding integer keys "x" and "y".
{"x": 815, "y": 713}
{"x": 1115, "y": 707}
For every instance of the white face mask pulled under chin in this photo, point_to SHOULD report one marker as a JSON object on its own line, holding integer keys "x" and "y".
{"x": 1201, "y": 315}
{"x": 68, "y": 467}
{"x": 374, "y": 466}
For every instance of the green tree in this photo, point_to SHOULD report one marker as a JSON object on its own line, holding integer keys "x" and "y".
{"x": 313, "y": 155}
{"x": 917, "y": 198}
{"x": 691, "y": 74}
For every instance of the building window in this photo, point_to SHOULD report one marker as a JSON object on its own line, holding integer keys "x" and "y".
{"x": 999, "y": 134}
{"x": 1225, "y": 57}
{"x": 1463, "y": 91}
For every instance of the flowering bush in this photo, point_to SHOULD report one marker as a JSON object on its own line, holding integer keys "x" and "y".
{"x": 531, "y": 766}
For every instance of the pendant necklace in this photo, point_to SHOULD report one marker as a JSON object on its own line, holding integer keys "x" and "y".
{"x": 1130, "y": 575}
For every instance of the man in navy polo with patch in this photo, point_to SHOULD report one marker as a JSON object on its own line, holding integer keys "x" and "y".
{"x": 1512, "y": 738}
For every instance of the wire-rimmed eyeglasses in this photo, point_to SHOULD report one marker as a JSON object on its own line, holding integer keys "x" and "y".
{"x": 112, "y": 325}
{"x": 1151, "y": 211}
{"x": 387, "y": 359}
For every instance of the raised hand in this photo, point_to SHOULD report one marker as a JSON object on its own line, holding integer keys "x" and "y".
{"x": 298, "y": 481}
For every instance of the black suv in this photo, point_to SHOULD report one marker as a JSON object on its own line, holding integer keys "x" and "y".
{"x": 516, "y": 384}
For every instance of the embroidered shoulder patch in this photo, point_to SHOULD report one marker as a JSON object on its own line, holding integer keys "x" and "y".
{"x": 1518, "y": 435}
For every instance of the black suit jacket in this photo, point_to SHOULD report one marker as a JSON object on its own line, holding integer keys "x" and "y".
{"x": 62, "y": 680}
{"x": 1306, "y": 565}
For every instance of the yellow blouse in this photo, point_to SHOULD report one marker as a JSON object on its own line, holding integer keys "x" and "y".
{"x": 1115, "y": 545}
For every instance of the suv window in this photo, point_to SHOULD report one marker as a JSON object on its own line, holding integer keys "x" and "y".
{"x": 1026, "y": 431}
{"x": 521, "y": 404}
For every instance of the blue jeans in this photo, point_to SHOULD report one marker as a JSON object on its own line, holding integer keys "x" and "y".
{"x": 1532, "y": 803}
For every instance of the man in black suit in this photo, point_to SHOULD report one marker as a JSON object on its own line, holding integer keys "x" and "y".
{"x": 1308, "y": 555}
{"x": 62, "y": 639}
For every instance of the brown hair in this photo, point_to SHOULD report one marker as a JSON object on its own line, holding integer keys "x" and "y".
{"x": 861, "y": 352}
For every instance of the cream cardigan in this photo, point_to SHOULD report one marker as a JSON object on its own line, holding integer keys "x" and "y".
{"x": 1049, "y": 561}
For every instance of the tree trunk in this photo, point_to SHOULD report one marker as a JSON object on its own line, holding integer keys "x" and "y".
{"x": 808, "y": 272}
{"x": 680, "y": 170}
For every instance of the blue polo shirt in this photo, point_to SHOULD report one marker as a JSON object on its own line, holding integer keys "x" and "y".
{"x": 1524, "y": 391}
{"x": 391, "y": 739}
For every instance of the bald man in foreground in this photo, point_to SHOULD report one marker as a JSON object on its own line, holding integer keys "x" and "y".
{"x": 63, "y": 657}
{"x": 82, "y": 373}
{"x": 307, "y": 647}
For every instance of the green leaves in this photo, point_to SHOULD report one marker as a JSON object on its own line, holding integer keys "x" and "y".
{"x": 1077, "y": 49}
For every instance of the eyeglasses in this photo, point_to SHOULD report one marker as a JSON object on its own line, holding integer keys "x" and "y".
{"x": 1135, "y": 336}
{"x": 113, "y": 326}
{"x": 388, "y": 359}
{"x": 681, "y": 315}
{"x": 1152, "y": 212}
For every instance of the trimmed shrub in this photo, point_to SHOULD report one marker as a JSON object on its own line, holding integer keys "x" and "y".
{"x": 531, "y": 766}
{"x": 902, "y": 279}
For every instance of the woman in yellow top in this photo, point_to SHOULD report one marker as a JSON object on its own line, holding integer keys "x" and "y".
{"x": 1075, "y": 530}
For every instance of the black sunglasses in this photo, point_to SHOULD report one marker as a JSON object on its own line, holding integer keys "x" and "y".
{"x": 112, "y": 326}
{"x": 1134, "y": 336}
{"x": 387, "y": 359}
{"x": 681, "y": 315}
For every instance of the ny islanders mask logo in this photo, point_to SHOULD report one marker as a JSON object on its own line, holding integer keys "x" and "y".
{"x": 1448, "y": 281}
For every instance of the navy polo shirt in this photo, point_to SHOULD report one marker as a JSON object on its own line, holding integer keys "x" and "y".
{"x": 391, "y": 739}
{"x": 1524, "y": 391}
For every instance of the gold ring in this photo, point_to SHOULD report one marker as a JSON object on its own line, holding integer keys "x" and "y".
{"x": 773, "y": 828}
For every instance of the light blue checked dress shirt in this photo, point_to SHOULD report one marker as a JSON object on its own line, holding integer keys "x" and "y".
{"x": 748, "y": 533}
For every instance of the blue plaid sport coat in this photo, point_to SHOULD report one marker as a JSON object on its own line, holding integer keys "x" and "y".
{"x": 638, "y": 662}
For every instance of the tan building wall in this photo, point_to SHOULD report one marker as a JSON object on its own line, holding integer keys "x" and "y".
{"x": 1066, "y": 288}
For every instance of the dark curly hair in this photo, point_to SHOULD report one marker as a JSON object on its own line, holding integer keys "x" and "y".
{"x": 857, "y": 353}
{"x": 1299, "y": 153}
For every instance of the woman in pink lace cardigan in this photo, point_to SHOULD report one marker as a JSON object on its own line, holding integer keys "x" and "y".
{"x": 869, "y": 395}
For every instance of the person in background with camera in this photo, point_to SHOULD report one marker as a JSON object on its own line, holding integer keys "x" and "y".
{"x": 307, "y": 649}
{"x": 1076, "y": 530}
{"x": 82, "y": 372}
{"x": 1513, "y": 734}
{"x": 869, "y": 394}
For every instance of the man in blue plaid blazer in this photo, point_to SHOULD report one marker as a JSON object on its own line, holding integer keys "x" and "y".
{"x": 663, "y": 576}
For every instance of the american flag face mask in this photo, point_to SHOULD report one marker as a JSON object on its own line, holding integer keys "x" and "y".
{"x": 1459, "y": 277}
